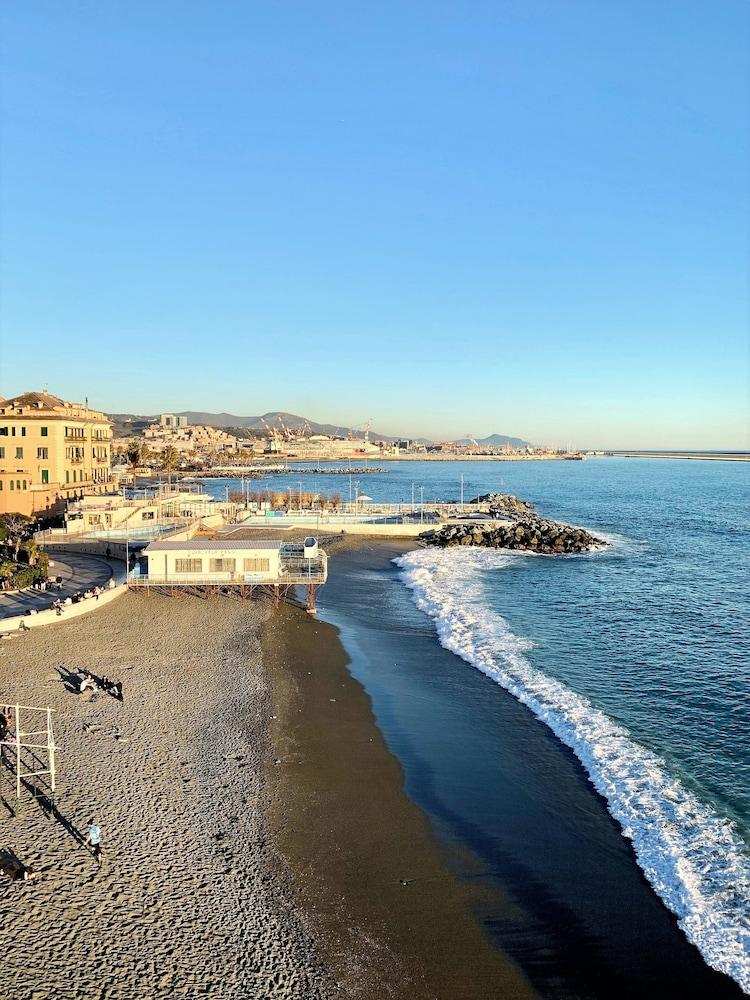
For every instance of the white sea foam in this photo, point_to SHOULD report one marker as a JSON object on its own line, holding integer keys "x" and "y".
{"x": 690, "y": 855}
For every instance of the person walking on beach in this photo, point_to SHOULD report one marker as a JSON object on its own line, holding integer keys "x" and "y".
{"x": 94, "y": 840}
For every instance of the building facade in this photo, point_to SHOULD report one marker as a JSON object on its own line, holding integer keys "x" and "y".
{"x": 51, "y": 451}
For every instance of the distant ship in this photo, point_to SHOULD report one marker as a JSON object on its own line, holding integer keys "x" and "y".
{"x": 574, "y": 458}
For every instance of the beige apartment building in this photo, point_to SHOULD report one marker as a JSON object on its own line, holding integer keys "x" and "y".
{"x": 51, "y": 451}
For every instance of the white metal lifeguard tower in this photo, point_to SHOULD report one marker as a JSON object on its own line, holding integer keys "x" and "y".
{"x": 27, "y": 752}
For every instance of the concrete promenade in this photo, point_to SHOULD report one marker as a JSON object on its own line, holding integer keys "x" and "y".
{"x": 79, "y": 572}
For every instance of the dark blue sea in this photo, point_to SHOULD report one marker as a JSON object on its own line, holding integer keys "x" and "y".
{"x": 505, "y": 683}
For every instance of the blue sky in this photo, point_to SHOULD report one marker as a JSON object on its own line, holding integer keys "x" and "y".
{"x": 517, "y": 217}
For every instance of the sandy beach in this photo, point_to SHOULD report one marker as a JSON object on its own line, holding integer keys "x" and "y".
{"x": 257, "y": 836}
{"x": 189, "y": 902}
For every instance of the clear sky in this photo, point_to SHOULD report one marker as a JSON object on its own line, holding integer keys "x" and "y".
{"x": 519, "y": 217}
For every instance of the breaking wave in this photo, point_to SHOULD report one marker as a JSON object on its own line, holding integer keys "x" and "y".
{"x": 691, "y": 855}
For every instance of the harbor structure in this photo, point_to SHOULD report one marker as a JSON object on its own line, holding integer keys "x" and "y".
{"x": 51, "y": 451}
{"x": 214, "y": 565}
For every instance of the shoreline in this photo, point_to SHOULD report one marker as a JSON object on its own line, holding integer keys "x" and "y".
{"x": 391, "y": 917}
{"x": 490, "y": 777}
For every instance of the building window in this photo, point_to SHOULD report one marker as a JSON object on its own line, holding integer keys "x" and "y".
{"x": 3, "y": 432}
{"x": 11, "y": 484}
{"x": 222, "y": 565}
{"x": 13, "y": 431}
{"x": 43, "y": 431}
{"x": 23, "y": 432}
{"x": 188, "y": 565}
{"x": 2, "y": 452}
{"x": 42, "y": 453}
{"x": 67, "y": 475}
{"x": 19, "y": 452}
{"x": 45, "y": 474}
{"x": 1, "y": 485}
{"x": 256, "y": 565}
{"x": 18, "y": 484}
{"x": 24, "y": 484}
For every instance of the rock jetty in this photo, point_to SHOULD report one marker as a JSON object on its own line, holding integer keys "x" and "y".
{"x": 530, "y": 534}
{"x": 503, "y": 504}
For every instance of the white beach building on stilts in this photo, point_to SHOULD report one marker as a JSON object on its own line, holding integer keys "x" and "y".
{"x": 214, "y": 565}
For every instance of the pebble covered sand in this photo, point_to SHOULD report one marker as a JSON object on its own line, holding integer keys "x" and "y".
{"x": 189, "y": 902}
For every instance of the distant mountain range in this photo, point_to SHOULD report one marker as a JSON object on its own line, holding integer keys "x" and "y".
{"x": 130, "y": 423}
{"x": 276, "y": 419}
{"x": 495, "y": 441}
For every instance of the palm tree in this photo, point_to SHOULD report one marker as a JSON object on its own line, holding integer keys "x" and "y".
{"x": 134, "y": 455}
{"x": 169, "y": 459}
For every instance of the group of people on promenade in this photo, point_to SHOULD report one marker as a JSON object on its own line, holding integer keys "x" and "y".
{"x": 80, "y": 595}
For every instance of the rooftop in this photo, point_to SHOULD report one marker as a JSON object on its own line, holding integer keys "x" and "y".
{"x": 200, "y": 544}
{"x": 31, "y": 403}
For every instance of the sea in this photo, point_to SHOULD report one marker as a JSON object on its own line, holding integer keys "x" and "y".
{"x": 578, "y": 726}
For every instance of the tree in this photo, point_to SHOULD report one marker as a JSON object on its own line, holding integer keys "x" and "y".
{"x": 137, "y": 454}
{"x": 169, "y": 459}
{"x": 17, "y": 528}
{"x": 134, "y": 455}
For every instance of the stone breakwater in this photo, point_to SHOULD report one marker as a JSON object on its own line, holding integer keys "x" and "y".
{"x": 531, "y": 534}
{"x": 504, "y": 505}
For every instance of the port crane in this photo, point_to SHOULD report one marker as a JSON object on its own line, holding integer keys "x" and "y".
{"x": 365, "y": 427}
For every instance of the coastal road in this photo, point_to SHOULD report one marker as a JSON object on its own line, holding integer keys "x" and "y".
{"x": 79, "y": 572}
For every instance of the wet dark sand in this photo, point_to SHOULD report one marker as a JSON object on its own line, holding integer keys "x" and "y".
{"x": 349, "y": 835}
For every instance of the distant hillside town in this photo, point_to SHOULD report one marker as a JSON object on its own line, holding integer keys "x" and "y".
{"x": 285, "y": 435}
{"x": 53, "y": 451}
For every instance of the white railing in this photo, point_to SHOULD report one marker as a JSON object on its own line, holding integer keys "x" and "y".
{"x": 226, "y": 579}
